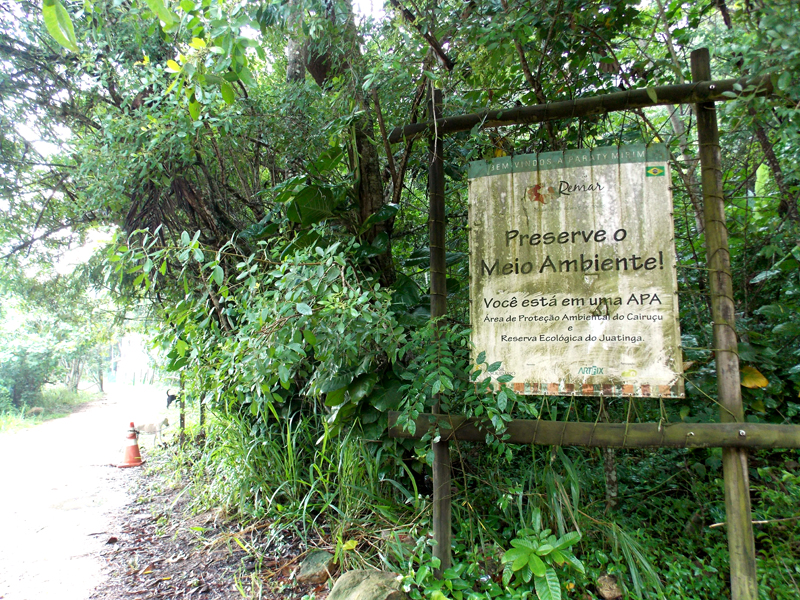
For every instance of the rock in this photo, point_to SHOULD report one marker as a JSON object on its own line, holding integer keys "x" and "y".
{"x": 607, "y": 587}
{"x": 316, "y": 567}
{"x": 367, "y": 585}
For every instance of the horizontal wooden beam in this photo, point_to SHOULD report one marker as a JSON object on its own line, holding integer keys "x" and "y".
{"x": 613, "y": 435}
{"x": 687, "y": 93}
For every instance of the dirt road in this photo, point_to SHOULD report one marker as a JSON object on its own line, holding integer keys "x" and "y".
{"x": 58, "y": 496}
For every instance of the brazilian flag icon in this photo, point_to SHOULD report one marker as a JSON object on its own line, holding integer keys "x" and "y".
{"x": 655, "y": 171}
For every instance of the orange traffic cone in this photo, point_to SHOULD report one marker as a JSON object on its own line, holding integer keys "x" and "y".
{"x": 132, "y": 457}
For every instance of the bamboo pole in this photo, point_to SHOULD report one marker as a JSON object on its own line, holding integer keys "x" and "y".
{"x": 442, "y": 507}
{"x": 741, "y": 544}
{"x": 687, "y": 93}
{"x": 610, "y": 435}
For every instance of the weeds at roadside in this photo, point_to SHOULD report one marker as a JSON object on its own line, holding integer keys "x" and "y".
{"x": 56, "y": 402}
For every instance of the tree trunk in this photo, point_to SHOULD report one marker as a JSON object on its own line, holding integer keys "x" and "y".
{"x": 295, "y": 46}
{"x": 370, "y": 187}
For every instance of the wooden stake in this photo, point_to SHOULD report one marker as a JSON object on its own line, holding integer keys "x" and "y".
{"x": 734, "y": 460}
{"x": 442, "y": 507}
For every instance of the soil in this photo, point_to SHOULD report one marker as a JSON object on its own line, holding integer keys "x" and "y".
{"x": 76, "y": 527}
{"x": 161, "y": 550}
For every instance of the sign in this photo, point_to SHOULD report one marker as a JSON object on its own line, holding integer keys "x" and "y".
{"x": 572, "y": 267}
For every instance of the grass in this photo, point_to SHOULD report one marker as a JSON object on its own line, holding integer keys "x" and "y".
{"x": 57, "y": 402}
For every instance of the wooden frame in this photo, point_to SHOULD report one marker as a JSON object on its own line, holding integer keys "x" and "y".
{"x": 732, "y": 434}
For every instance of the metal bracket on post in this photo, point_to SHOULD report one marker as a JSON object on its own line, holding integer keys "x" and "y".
{"x": 442, "y": 500}
{"x": 744, "y": 584}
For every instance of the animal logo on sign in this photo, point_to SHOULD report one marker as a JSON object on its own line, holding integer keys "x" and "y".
{"x": 540, "y": 193}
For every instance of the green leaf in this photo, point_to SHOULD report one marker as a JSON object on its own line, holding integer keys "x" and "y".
{"x": 520, "y": 561}
{"x": 340, "y": 380}
{"x": 544, "y": 549}
{"x": 349, "y": 545}
{"x": 789, "y": 329}
{"x": 309, "y": 337}
{"x": 765, "y": 275}
{"x": 502, "y": 401}
{"x": 246, "y": 77}
{"x": 328, "y": 160}
{"x": 260, "y": 230}
{"x": 303, "y": 308}
{"x": 574, "y": 562}
{"x": 386, "y": 212}
{"x": 387, "y": 397}
{"x": 536, "y": 565}
{"x": 312, "y": 204}
{"x": 548, "y": 587}
{"x": 305, "y": 240}
{"x": 514, "y": 554}
{"x": 362, "y": 386}
{"x": 774, "y": 310}
{"x": 785, "y": 80}
{"x": 336, "y": 397}
{"x": 227, "y": 92}
{"x": 405, "y": 291}
{"x": 567, "y": 540}
{"x": 494, "y": 366}
{"x": 218, "y": 275}
{"x": 651, "y": 93}
{"x": 161, "y": 11}
{"x": 194, "y": 110}
{"x": 59, "y": 25}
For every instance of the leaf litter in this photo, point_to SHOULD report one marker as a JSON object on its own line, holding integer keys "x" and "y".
{"x": 159, "y": 549}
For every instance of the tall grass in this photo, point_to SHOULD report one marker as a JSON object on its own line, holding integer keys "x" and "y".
{"x": 56, "y": 402}
{"x": 305, "y": 481}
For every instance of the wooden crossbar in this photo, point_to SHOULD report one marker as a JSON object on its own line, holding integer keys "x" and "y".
{"x": 608, "y": 435}
{"x": 685, "y": 93}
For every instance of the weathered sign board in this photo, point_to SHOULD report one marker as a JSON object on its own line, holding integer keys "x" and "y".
{"x": 572, "y": 267}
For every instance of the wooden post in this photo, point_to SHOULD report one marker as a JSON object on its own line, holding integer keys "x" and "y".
{"x": 182, "y": 404}
{"x": 442, "y": 507}
{"x": 734, "y": 460}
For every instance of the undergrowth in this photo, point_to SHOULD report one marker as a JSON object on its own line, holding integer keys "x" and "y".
{"x": 55, "y": 402}
{"x": 537, "y": 511}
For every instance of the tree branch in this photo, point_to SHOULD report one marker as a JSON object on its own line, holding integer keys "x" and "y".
{"x": 432, "y": 41}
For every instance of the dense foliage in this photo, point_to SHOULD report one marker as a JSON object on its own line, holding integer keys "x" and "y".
{"x": 280, "y": 243}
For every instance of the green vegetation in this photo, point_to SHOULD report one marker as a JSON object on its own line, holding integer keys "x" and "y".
{"x": 276, "y": 246}
{"x": 55, "y": 402}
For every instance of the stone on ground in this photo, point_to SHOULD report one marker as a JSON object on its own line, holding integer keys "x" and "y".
{"x": 608, "y": 588}
{"x": 367, "y": 585}
{"x": 316, "y": 567}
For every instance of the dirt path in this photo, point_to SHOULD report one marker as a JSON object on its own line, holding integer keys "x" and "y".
{"x": 58, "y": 497}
